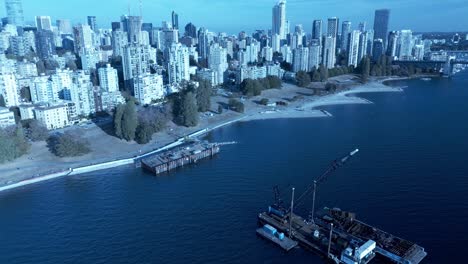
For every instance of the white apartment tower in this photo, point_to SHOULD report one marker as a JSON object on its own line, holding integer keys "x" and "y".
{"x": 178, "y": 63}
{"x": 108, "y": 79}
{"x": 136, "y": 60}
{"x": 329, "y": 48}
{"x": 279, "y": 19}
{"x": 301, "y": 59}
{"x": 353, "y": 48}
{"x": 217, "y": 61}
{"x": 148, "y": 87}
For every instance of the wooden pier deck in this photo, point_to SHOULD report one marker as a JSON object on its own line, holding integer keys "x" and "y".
{"x": 179, "y": 157}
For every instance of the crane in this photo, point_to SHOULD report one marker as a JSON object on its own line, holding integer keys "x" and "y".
{"x": 313, "y": 188}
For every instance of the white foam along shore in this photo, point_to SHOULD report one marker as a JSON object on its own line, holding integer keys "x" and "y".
{"x": 307, "y": 110}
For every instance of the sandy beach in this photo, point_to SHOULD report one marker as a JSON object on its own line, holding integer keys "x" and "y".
{"x": 108, "y": 151}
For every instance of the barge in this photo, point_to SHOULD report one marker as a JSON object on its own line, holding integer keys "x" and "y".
{"x": 179, "y": 157}
{"x": 270, "y": 233}
{"x": 337, "y": 235}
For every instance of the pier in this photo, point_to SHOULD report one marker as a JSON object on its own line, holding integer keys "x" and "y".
{"x": 179, "y": 157}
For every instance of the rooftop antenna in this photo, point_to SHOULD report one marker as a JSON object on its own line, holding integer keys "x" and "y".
{"x": 141, "y": 8}
{"x": 129, "y": 8}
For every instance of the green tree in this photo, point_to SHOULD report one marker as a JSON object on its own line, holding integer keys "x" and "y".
{"x": 40, "y": 67}
{"x": 323, "y": 73}
{"x": 69, "y": 144}
{"x": 316, "y": 76}
{"x": 129, "y": 121}
{"x": 204, "y": 96}
{"x": 2, "y": 101}
{"x": 35, "y": 131}
{"x": 7, "y": 147}
{"x": 236, "y": 105}
{"x": 71, "y": 65}
{"x": 303, "y": 79}
{"x": 264, "y": 101}
{"x": 365, "y": 69}
{"x": 25, "y": 93}
{"x": 274, "y": 82}
{"x": 119, "y": 111}
{"x": 21, "y": 144}
{"x": 189, "y": 110}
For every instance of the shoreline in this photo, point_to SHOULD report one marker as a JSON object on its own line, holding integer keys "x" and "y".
{"x": 307, "y": 110}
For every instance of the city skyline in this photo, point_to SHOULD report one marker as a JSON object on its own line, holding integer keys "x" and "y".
{"x": 256, "y": 15}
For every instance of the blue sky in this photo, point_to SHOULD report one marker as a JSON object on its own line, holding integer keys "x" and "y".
{"x": 231, "y": 16}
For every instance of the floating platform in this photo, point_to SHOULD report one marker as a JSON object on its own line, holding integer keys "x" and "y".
{"x": 179, "y": 157}
{"x": 278, "y": 238}
{"x": 397, "y": 249}
{"x": 347, "y": 233}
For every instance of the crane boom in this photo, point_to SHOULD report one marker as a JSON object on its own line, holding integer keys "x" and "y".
{"x": 333, "y": 167}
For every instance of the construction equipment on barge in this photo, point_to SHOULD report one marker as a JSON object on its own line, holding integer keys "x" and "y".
{"x": 180, "y": 157}
{"x": 335, "y": 234}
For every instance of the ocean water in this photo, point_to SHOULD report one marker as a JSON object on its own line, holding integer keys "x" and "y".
{"x": 410, "y": 179}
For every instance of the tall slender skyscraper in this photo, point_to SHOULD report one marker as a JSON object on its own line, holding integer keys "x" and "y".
{"x": 345, "y": 31}
{"x": 333, "y": 27}
{"x": 279, "y": 19}
{"x": 175, "y": 20}
{"x": 382, "y": 17}
{"x": 92, "y": 23}
{"x": 43, "y": 23}
{"x": 132, "y": 25}
{"x": 317, "y": 29}
{"x": 14, "y": 10}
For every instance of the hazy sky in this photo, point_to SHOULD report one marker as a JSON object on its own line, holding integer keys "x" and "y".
{"x": 232, "y": 16}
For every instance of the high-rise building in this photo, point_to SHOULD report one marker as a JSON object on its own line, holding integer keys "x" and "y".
{"x": 45, "y": 44}
{"x": 148, "y": 87}
{"x": 279, "y": 19}
{"x": 287, "y": 53}
{"x": 175, "y": 20}
{"x": 191, "y": 30}
{"x": 332, "y": 27}
{"x": 275, "y": 43}
{"x": 119, "y": 41}
{"x": 64, "y": 26}
{"x": 92, "y": 23}
{"x": 329, "y": 54}
{"x": 381, "y": 20}
{"x": 406, "y": 44}
{"x": 317, "y": 30}
{"x": 14, "y": 10}
{"x": 363, "y": 42}
{"x": 362, "y": 26}
{"x": 392, "y": 43}
{"x": 83, "y": 36}
{"x": 178, "y": 65}
{"x": 345, "y": 31}
{"x": 378, "y": 49}
{"x": 217, "y": 61}
{"x": 353, "y": 48}
{"x": 132, "y": 25}
{"x": 43, "y": 23}
{"x": 81, "y": 93}
{"x": 301, "y": 59}
{"x": 314, "y": 55}
{"x": 136, "y": 61}
{"x": 9, "y": 89}
{"x": 108, "y": 78}
{"x": 370, "y": 41}
{"x": 203, "y": 43}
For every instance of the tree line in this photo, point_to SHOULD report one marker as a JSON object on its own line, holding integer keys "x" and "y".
{"x": 252, "y": 87}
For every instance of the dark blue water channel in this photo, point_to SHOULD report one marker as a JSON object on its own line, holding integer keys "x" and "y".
{"x": 410, "y": 178}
